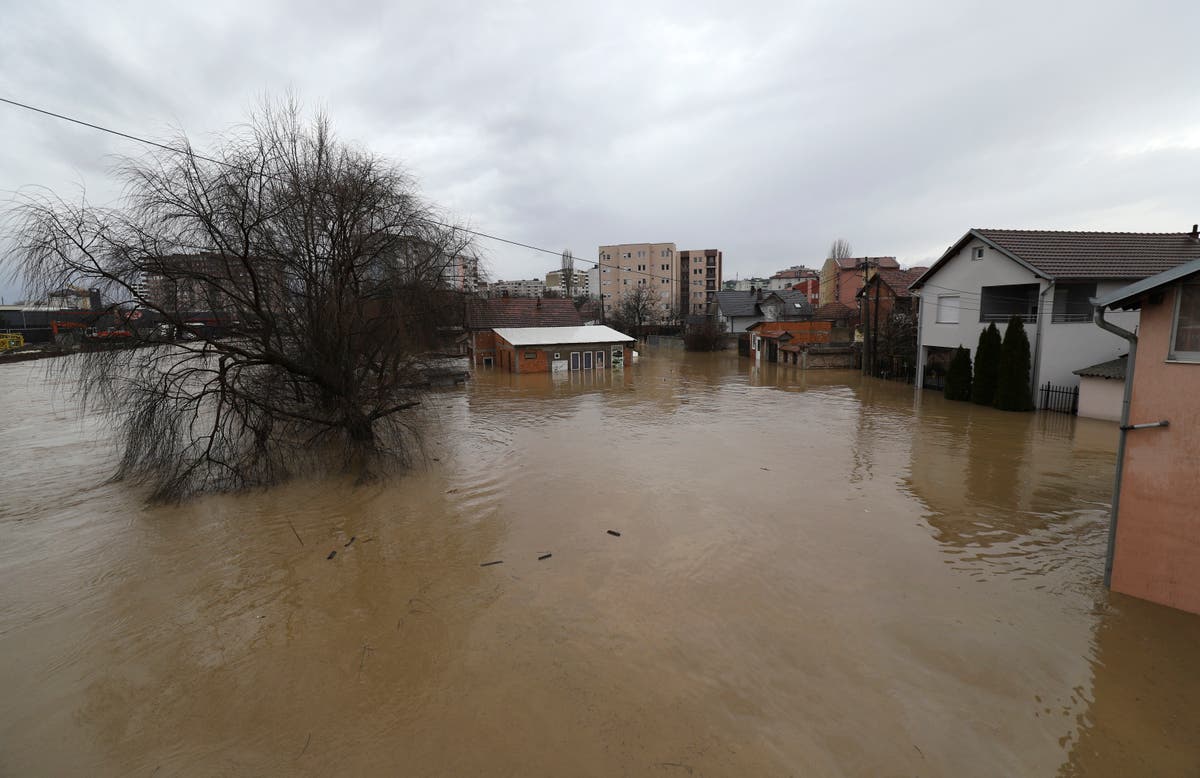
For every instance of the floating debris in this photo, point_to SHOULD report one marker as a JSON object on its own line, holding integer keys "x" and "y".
{"x": 332, "y": 554}
{"x": 352, "y": 539}
{"x": 614, "y": 533}
{"x": 489, "y": 564}
{"x": 544, "y": 556}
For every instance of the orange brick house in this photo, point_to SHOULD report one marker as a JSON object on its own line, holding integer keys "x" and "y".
{"x": 782, "y": 341}
{"x": 484, "y": 315}
{"x": 561, "y": 349}
{"x": 1154, "y": 530}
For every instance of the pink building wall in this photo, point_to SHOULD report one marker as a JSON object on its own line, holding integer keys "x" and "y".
{"x": 1157, "y": 553}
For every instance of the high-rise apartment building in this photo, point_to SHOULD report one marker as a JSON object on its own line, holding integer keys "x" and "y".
{"x": 699, "y": 280}
{"x": 626, "y": 267}
{"x": 556, "y": 279}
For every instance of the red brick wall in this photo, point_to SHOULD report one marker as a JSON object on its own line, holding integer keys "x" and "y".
{"x": 483, "y": 344}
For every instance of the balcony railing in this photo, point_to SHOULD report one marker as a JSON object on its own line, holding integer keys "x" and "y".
{"x": 1000, "y": 318}
{"x": 1071, "y": 318}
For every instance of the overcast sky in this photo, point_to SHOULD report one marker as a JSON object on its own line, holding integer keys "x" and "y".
{"x": 763, "y": 129}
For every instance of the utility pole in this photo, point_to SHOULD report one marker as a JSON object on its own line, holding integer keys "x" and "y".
{"x": 865, "y": 312}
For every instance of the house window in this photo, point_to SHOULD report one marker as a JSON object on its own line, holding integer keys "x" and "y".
{"x": 977, "y": 252}
{"x": 1185, "y": 331}
{"x": 627, "y": 255}
{"x": 947, "y": 309}
{"x": 1001, "y": 303}
{"x": 1072, "y": 303}
{"x": 666, "y": 267}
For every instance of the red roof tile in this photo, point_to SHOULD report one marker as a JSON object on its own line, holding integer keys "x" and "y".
{"x": 521, "y": 312}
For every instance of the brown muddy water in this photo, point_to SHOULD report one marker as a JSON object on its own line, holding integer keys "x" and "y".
{"x": 816, "y": 575}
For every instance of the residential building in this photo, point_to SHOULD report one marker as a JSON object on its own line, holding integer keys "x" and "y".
{"x": 562, "y": 349}
{"x": 484, "y": 315}
{"x": 699, "y": 280}
{"x": 1046, "y": 279}
{"x": 556, "y": 280}
{"x": 887, "y": 310}
{"x": 593, "y": 283}
{"x": 745, "y": 284}
{"x": 784, "y": 341}
{"x": 532, "y": 287}
{"x": 787, "y": 279}
{"x": 842, "y": 278}
{"x": 624, "y": 267}
{"x": 208, "y": 281}
{"x": 1154, "y": 537}
{"x": 811, "y": 287}
{"x": 737, "y": 311}
{"x": 75, "y": 299}
{"x": 462, "y": 273}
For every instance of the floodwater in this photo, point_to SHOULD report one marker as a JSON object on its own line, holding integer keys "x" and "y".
{"x": 816, "y": 575}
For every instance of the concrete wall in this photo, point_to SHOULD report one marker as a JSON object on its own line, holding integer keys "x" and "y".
{"x": 1100, "y": 398}
{"x": 1158, "y": 528}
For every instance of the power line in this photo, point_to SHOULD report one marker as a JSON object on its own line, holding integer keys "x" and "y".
{"x": 230, "y": 165}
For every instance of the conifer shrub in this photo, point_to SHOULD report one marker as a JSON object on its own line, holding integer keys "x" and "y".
{"x": 1012, "y": 388}
{"x": 987, "y": 366}
{"x": 958, "y": 375}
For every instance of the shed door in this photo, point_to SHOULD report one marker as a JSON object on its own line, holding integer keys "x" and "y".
{"x": 587, "y": 360}
{"x": 574, "y": 360}
{"x": 599, "y": 360}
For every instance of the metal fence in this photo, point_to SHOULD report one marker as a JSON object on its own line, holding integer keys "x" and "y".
{"x": 1060, "y": 399}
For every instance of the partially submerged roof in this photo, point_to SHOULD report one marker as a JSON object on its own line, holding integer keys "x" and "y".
{"x": 540, "y": 336}
{"x": 495, "y": 312}
{"x": 1113, "y": 368}
{"x": 1130, "y": 297}
{"x": 1058, "y": 254}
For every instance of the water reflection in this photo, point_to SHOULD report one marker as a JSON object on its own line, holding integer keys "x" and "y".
{"x": 817, "y": 574}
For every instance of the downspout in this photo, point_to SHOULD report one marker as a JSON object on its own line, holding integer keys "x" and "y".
{"x": 1035, "y": 375}
{"x": 919, "y": 381}
{"x": 1116, "y": 498}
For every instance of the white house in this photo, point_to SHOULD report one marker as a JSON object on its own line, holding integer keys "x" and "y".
{"x": 1048, "y": 279}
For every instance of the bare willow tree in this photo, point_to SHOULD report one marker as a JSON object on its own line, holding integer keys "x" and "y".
{"x": 840, "y": 249}
{"x": 279, "y": 296}
{"x": 568, "y": 274}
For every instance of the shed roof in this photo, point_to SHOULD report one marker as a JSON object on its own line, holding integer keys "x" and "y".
{"x": 834, "y": 310}
{"x": 539, "y": 336}
{"x": 1113, "y": 368}
{"x": 494, "y": 312}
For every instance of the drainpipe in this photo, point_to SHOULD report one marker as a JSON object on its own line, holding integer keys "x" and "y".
{"x": 1116, "y": 498}
{"x": 1035, "y": 374}
{"x": 919, "y": 378}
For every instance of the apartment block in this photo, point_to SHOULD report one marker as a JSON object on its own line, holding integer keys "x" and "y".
{"x": 626, "y": 267}
{"x": 556, "y": 280}
{"x": 699, "y": 280}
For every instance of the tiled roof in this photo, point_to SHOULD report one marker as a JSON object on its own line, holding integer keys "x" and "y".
{"x": 746, "y": 303}
{"x": 853, "y": 263}
{"x": 1096, "y": 254}
{"x": 898, "y": 280}
{"x": 521, "y": 312}
{"x": 1113, "y": 368}
{"x": 833, "y": 311}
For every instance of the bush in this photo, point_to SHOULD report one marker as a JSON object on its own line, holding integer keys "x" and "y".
{"x": 703, "y": 337}
{"x": 987, "y": 367}
{"x": 958, "y": 376}
{"x": 1012, "y": 388}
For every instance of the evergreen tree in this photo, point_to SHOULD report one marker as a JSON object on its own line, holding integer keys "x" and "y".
{"x": 987, "y": 366}
{"x": 958, "y": 375}
{"x": 1012, "y": 389}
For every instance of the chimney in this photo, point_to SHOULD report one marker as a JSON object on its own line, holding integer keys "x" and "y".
{"x": 1196, "y": 232}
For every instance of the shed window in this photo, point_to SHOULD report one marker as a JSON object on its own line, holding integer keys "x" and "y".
{"x": 531, "y": 355}
{"x": 1185, "y": 331}
{"x": 947, "y": 309}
